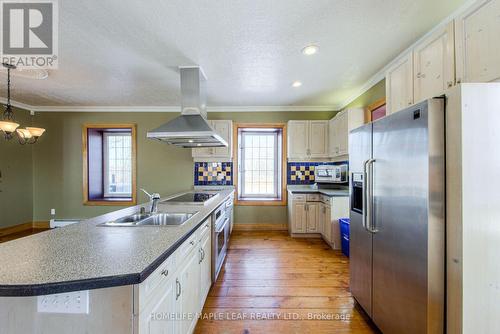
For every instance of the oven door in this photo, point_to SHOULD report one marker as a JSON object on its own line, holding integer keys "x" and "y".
{"x": 220, "y": 240}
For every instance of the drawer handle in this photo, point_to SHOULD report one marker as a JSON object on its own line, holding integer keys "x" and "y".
{"x": 192, "y": 242}
{"x": 165, "y": 272}
{"x": 177, "y": 289}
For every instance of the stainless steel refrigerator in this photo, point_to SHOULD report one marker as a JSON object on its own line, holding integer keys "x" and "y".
{"x": 397, "y": 230}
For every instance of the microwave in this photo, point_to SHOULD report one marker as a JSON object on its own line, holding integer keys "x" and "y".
{"x": 331, "y": 174}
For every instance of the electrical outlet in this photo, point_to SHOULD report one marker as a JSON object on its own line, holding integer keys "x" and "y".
{"x": 72, "y": 302}
{"x": 52, "y": 212}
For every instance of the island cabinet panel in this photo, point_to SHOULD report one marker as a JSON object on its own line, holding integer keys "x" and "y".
{"x": 110, "y": 311}
{"x": 171, "y": 298}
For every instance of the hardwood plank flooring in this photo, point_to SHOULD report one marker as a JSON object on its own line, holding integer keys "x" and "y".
{"x": 271, "y": 283}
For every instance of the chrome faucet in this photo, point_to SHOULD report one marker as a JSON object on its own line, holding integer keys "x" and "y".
{"x": 154, "y": 198}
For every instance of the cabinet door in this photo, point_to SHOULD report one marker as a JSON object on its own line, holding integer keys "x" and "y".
{"x": 188, "y": 289}
{"x": 205, "y": 270}
{"x": 312, "y": 211}
{"x": 299, "y": 218}
{"x": 434, "y": 64}
{"x": 321, "y": 218}
{"x": 225, "y": 130}
{"x": 318, "y": 139}
{"x": 206, "y": 152}
{"x": 399, "y": 85}
{"x": 152, "y": 318}
{"x": 343, "y": 133}
{"x": 332, "y": 138}
{"x": 298, "y": 139}
{"x": 477, "y": 40}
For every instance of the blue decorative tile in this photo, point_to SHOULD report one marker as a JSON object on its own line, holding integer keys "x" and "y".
{"x": 303, "y": 172}
{"x": 213, "y": 174}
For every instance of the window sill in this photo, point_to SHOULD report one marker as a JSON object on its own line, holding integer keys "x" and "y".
{"x": 260, "y": 202}
{"x": 110, "y": 202}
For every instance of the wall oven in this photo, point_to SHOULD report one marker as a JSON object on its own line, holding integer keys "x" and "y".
{"x": 220, "y": 239}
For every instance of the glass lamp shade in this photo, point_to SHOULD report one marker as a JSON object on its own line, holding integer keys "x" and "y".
{"x": 35, "y": 132}
{"x": 8, "y": 127}
{"x": 24, "y": 133}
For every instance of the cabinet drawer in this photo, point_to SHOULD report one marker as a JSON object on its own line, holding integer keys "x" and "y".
{"x": 313, "y": 197}
{"x": 299, "y": 197}
{"x": 148, "y": 288}
{"x": 205, "y": 229}
{"x": 325, "y": 199}
{"x": 186, "y": 248}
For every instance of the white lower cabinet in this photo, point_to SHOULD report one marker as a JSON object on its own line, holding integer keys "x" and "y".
{"x": 316, "y": 213}
{"x": 171, "y": 298}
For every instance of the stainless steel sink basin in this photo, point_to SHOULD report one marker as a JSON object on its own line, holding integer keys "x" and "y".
{"x": 156, "y": 219}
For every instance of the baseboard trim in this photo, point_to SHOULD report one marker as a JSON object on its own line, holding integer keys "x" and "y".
{"x": 9, "y": 230}
{"x": 260, "y": 227}
{"x": 306, "y": 235}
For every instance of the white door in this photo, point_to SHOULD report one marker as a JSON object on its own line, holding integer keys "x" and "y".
{"x": 205, "y": 269}
{"x": 399, "y": 84}
{"x": 224, "y": 129}
{"x": 298, "y": 139}
{"x": 299, "y": 218}
{"x": 188, "y": 289}
{"x": 318, "y": 139}
{"x": 153, "y": 318}
{"x": 434, "y": 62}
{"x": 312, "y": 211}
{"x": 478, "y": 43}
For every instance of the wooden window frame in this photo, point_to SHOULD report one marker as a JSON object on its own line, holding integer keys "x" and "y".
{"x": 278, "y": 202}
{"x": 91, "y": 202}
{"x": 374, "y": 106}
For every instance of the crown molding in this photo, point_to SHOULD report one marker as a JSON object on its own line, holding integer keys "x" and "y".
{"x": 381, "y": 73}
{"x": 167, "y": 108}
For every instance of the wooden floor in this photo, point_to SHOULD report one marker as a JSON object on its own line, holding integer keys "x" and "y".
{"x": 21, "y": 234}
{"x": 272, "y": 283}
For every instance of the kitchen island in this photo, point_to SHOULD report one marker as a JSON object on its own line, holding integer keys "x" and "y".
{"x": 123, "y": 274}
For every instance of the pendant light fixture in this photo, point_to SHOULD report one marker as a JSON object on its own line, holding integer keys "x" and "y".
{"x": 8, "y": 125}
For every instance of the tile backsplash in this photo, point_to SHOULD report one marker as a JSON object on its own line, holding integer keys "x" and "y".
{"x": 303, "y": 172}
{"x": 213, "y": 173}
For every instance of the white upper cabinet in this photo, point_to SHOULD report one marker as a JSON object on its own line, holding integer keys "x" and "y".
{"x": 399, "y": 84}
{"x": 339, "y": 128}
{"x": 307, "y": 139}
{"x": 477, "y": 38}
{"x": 434, "y": 64}
{"x": 318, "y": 139}
{"x": 225, "y": 129}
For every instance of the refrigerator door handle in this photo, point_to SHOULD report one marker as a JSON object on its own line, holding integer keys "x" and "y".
{"x": 370, "y": 226}
{"x": 363, "y": 196}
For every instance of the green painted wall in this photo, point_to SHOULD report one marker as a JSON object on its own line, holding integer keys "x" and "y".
{"x": 373, "y": 94}
{"x": 48, "y": 175}
{"x": 57, "y": 162}
{"x": 16, "y": 179}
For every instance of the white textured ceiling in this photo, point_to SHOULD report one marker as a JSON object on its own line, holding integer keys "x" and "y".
{"x": 126, "y": 52}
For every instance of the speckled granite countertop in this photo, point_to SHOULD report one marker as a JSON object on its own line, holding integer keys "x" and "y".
{"x": 308, "y": 189}
{"x": 86, "y": 256}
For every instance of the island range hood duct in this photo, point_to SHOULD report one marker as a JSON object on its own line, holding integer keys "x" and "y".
{"x": 191, "y": 129}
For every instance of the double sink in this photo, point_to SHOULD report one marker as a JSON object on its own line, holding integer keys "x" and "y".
{"x": 152, "y": 219}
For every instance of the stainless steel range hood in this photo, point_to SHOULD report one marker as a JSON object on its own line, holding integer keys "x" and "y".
{"x": 191, "y": 129}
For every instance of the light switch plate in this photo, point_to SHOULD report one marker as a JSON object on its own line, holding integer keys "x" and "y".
{"x": 71, "y": 302}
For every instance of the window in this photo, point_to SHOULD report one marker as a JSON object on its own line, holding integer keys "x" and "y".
{"x": 109, "y": 164}
{"x": 260, "y": 163}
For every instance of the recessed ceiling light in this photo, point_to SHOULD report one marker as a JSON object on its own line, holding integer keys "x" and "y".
{"x": 310, "y": 50}
{"x": 296, "y": 84}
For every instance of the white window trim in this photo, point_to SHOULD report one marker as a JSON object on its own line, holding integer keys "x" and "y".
{"x": 105, "y": 152}
{"x": 277, "y": 195}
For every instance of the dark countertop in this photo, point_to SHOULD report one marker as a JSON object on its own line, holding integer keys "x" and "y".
{"x": 309, "y": 189}
{"x": 85, "y": 256}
